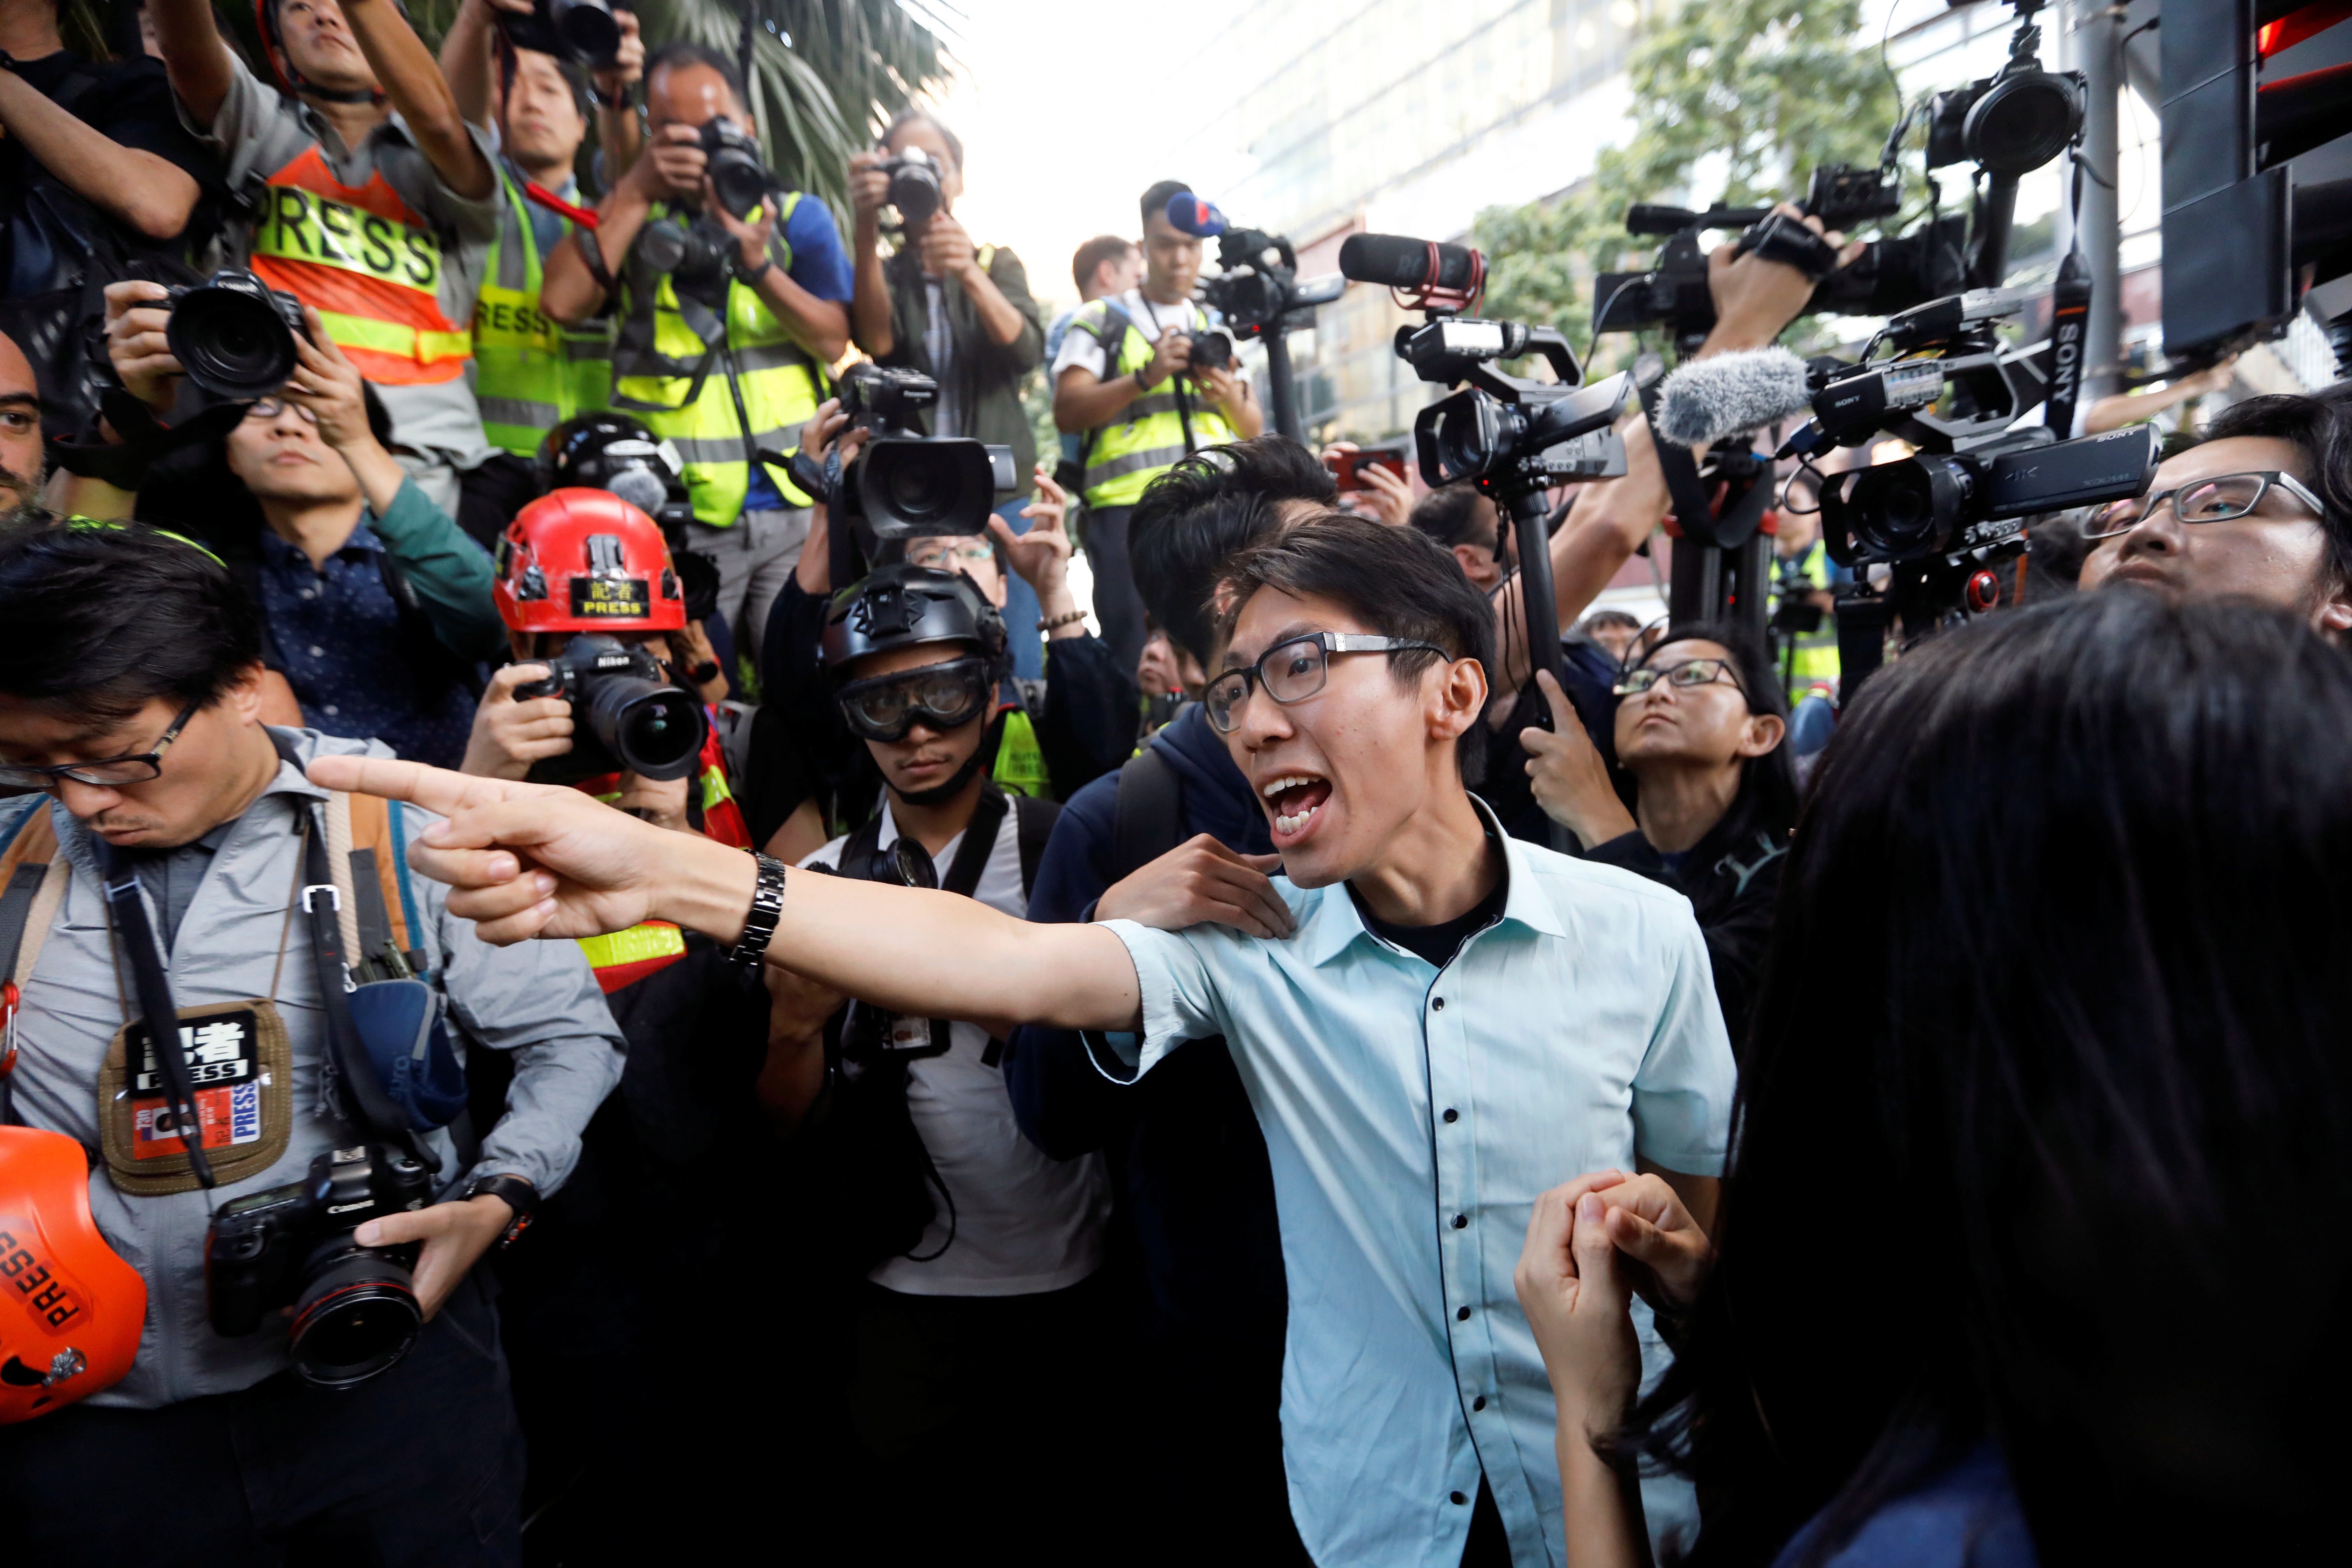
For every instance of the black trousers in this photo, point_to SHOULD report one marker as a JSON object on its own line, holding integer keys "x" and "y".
{"x": 421, "y": 1465}
{"x": 1119, "y": 607}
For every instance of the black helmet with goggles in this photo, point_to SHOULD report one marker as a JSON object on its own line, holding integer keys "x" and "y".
{"x": 905, "y": 607}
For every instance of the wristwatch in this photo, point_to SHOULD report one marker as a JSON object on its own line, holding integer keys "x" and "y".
{"x": 767, "y": 904}
{"x": 519, "y": 1196}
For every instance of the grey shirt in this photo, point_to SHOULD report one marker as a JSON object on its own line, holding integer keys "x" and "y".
{"x": 171, "y": 876}
{"x": 537, "y": 1001}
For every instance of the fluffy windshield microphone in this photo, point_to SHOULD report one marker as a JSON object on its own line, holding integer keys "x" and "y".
{"x": 1394, "y": 261}
{"x": 1708, "y": 399}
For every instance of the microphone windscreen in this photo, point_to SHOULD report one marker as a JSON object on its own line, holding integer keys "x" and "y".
{"x": 1708, "y": 399}
{"x": 1195, "y": 217}
{"x": 1398, "y": 261}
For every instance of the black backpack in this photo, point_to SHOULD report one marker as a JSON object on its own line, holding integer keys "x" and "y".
{"x": 873, "y": 1179}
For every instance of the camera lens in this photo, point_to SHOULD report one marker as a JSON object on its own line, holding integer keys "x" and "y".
{"x": 1909, "y": 509}
{"x": 906, "y": 486}
{"x": 662, "y": 246}
{"x": 739, "y": 180}
{"x": 915, "y": 192}
{"x": 232, "y": 344}
{"x": 656, "y": 730}
{"x": 586, "y": 27}
{"x": 357, "y": 1315}
{"x": 2022, "y": 122}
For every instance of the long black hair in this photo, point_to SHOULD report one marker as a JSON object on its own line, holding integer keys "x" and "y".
{"x": 2042, "y": 1127}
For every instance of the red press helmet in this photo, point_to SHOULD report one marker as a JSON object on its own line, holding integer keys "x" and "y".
{"x": 71, "y": 1309}
{"x": 586, "y": 561}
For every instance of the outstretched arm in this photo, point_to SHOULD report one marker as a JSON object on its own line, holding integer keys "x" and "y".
{"x": 412, "y": 79}
{"x": 526, "y": 860}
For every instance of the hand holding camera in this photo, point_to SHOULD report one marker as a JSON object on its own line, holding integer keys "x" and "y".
{"x": 947, "y": 249}
{"x": 509, "y": 733}
{"x": 671, "y": 168}
{"x": 1172, "y": 353}
{"x": 869, "y": 187}
{"x": 1756, "y": 297}
{"x": 751, "y": 235}
{"x": 329, "y": 386}
{"x": 628, "y": 63}
{"x": 137, "y": 318}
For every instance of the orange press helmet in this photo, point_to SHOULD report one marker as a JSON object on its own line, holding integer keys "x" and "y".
{"x": 71, "y": 1309}
{"x": 586, "y": 561}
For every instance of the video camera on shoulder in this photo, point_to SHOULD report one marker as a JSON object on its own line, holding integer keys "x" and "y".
{"x": 355, "y": 1310}
{"x": 584, "y": 32}
{"x": 904, "y": 484}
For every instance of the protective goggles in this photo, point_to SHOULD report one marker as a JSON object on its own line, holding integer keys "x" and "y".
{"x": 942, "y": 696}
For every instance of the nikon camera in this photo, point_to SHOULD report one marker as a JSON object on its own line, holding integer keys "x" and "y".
{"x": 355, "y": 1308}
{"x": 635, "y": 720}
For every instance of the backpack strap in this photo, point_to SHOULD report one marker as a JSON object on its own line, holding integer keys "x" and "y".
{"x": 1149, "y": 815}
{"x": 1110, "y": 331}
{"x": 32, "y": 882}
{"x": 1032, "y": 823}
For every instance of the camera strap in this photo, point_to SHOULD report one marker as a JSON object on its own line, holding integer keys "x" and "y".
{"x": 128, "y": 913}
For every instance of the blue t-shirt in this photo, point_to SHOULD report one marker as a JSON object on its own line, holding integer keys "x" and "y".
{"x": 821, "y": 266}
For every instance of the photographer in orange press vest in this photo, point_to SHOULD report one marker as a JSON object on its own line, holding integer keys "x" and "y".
{"x": 363, "y": 193}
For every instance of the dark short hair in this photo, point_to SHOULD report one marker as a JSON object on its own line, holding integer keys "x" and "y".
{"x": 1449, "y": 514}
{"x": 1203, "y": 508}
{"x": 1397, "y": 582}
{"x": 1088, "y": 261}
{"x": 923, "y": 116}
{"x": 104, "y": 618}
{"x": 574, "y": 78}
{"x": 1599, "y": 618}
{"x": 2321, "y": 426}
{"x": 687, "y": 52}
{"x": 1155, "y": 200}
{"x": 1767, "y": 784}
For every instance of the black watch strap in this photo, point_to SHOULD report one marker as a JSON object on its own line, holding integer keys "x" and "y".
{"x": 519, "y": 1196}
{"x": 767, "y": 904}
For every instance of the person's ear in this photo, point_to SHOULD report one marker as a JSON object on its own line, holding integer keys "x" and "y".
{"x": 2333, "y": 619}
{"x": 1455, "y": 698}
{"x": 242, "y": 701}
{"x": 1765, "y": 734}
{"x": 1466, "y": 557}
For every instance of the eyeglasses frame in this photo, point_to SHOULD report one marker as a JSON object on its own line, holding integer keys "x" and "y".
{"x": 2270, "y": 477}
{"x": 153, "y": 757}
{"x": 1253, "y": 674}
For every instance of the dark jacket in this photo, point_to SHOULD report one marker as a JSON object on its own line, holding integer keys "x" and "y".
{"x": 989, "y": 373}
{"x": 1185, "y": 1148}
{"x": 1732, "y": 878}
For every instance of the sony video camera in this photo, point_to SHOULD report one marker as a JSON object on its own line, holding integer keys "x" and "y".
{"x": 1509, "y": 436}
{"x": 636, "y": 720}
{"x": 234, "y": 334}
{"x": 904, "y": 484}
{"x": 355, "y": 1308}
{"x": 1945, "y": 522}
{"x": 582, "y": 31}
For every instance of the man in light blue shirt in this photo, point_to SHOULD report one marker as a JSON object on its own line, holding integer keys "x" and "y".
{"x": 1441, "y": 1024}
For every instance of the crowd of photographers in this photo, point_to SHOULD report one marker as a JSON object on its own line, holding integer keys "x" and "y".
{"x": 503, "y": 413}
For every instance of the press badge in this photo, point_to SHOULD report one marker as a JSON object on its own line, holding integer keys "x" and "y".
{"x": 239, "y": 1072}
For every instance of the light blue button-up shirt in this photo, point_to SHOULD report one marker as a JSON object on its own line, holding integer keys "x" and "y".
{"x": 1412, "y": 1116}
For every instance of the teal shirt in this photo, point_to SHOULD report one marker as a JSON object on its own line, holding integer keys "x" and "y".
{"x": 451, "y": 574}
{"x": 1413, "y": 1115}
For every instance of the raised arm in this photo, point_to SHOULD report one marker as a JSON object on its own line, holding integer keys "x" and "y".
{"x": 412, "y": 79}
{"x": 194, "y": 57}
{"x": 526, "y": 861}
{"x": 134, "y": 187}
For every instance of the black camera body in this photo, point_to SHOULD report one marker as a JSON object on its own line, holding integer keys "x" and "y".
{"x": 739, "y": 176}
{"x": 1212, "y": 350}
{"x": 636, "y": 720}
{"x": 1508, "y": 436}
{"x": 234, "y": 334}
{"x": 584, "y": 32}
{"x": 904, "y": 484}
{"x": 1257, "y": 289}
{"x": 914, "y": 187}
{"x": 355, "y": 1308}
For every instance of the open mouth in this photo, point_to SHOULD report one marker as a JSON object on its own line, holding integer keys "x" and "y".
{"x": 1296, "y": 799}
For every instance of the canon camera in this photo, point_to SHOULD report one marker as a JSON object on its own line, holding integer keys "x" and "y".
{"x": 355, "y": 1308}
{"x": 234, "y": 334}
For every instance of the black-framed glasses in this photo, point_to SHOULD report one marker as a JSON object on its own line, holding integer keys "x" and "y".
{"x": 1296, "y": 670}
{"x": 944, "y": 695}
{"x": 1690, "y": 672}
{"x": 106, "y": 770}
{"x": 271, "y": 407}
{"x": 2224, "y": 498}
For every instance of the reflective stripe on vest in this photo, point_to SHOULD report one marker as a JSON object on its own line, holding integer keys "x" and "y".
{"x": 1125, "y": 457}
{"x": 520, "y": 377}
{"x": 369, "y": 264}
{"x": 1020, "y": 762}
{"x": 775, "y": 375}
{"x": 628, "y": 956}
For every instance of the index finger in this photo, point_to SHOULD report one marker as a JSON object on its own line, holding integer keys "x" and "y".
{"x": 388, "y": 778}
{"x": 121, "y": 297}
{"x": 1563, "y": 712}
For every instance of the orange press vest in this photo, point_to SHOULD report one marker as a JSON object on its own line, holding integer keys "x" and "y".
{"x": 370, "y": 266}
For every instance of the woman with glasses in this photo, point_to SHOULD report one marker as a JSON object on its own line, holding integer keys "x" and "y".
{"x": 1699, "y": 726}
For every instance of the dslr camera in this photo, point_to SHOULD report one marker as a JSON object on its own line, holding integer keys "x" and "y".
{"x": 739, "y": 176}
{"x": 636, "y": 721}
{"x": 1511, "y": 436}
{"x": 581, "y": 31}
{"x": 234, "y": 334}
{"x": 914, "y": 187}
{"x": 355, "y": 1308}
{"x": 904, "y": 484}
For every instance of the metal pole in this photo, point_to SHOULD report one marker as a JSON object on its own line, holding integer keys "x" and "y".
{"x": 2097, "y": 39}
{"x": 1539, "y": 610}
{"x": 1277, "y": 384}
